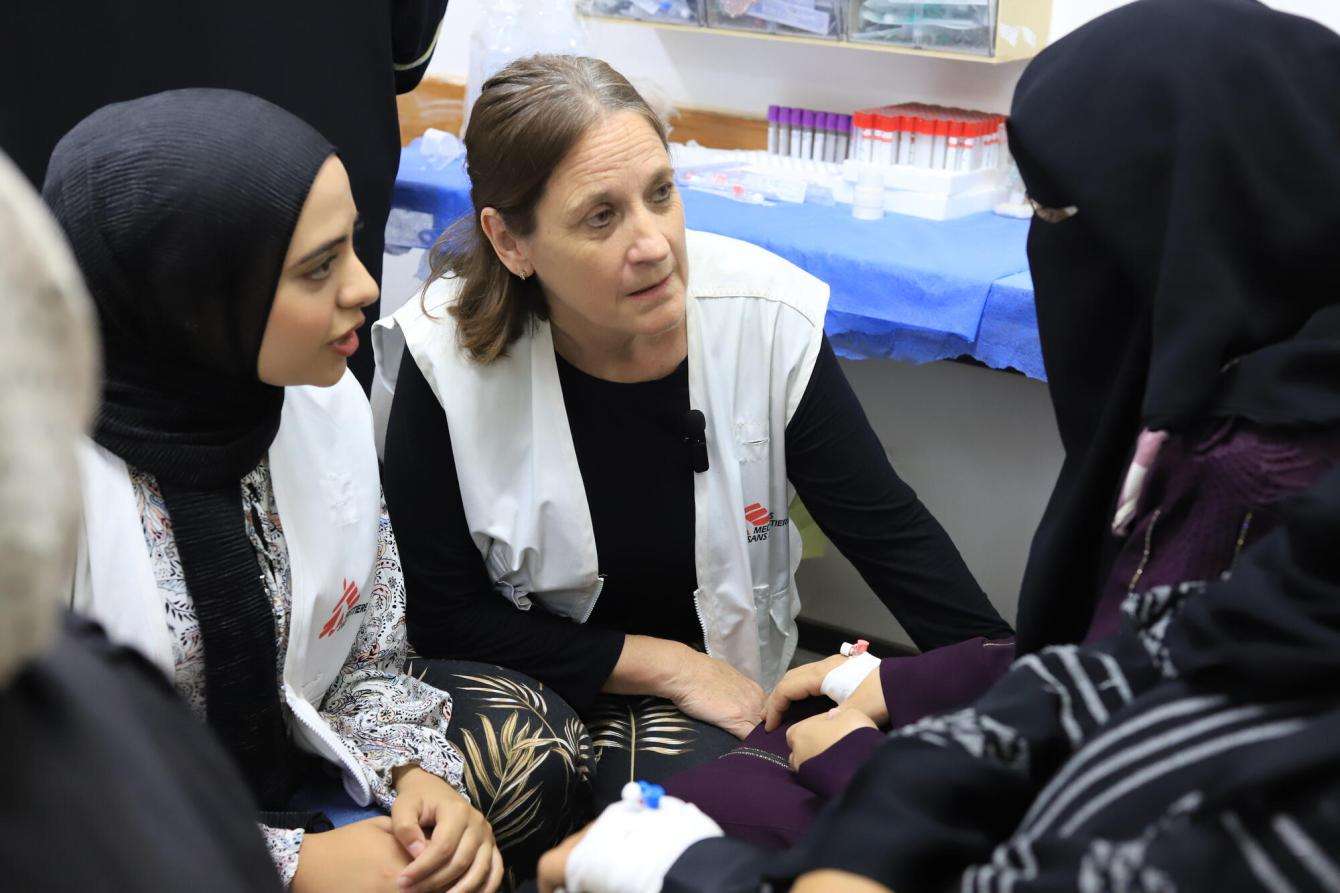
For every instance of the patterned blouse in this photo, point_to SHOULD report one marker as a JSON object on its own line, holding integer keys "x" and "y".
{"x": 386, "y": 718}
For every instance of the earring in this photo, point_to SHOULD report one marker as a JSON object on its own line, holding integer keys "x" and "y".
{"x": 524, "y": 276}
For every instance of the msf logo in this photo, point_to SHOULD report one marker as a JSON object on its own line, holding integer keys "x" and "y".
{"x": 760, "y": 522}
{"x": 343, "y": 609}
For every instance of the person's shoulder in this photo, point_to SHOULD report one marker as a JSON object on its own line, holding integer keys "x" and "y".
{"x": 429, "y": 305}
{"x": 722, "y": 267}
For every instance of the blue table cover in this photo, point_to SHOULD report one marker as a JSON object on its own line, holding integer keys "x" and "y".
{"x": 902, "y": 287}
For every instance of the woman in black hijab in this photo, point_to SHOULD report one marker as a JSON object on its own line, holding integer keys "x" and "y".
{"x": 233, "y": 530}
{"x": 1182, "y": 160}
{"x": 84, "y": 723}
{"x": 1192, "y": 291}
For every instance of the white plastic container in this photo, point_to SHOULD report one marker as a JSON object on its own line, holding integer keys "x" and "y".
{"x": 868, "y": 197}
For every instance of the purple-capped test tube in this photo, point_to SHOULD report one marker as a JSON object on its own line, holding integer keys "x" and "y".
{"x": 797, "y": 126}
{"x": 807, "y": 134}
{"x": 783, "y": 131}
{"x": 823, "y": 136}
{"x": 773, "y": 114}
{"x": 843, "y": 137}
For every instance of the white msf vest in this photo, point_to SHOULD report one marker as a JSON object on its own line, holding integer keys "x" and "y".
{"x": 755, "y": 324}
{"x": 327, "y": 490}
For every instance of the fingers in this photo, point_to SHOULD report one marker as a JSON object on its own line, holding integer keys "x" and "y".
{"x": 448, "y": 853}
{"x": 778, "y": 704}
{"x": 796, "y": 685}
{"x": 462, "y": 859}
{"x": 791, "y": 736}
{"x": 553, "y": 867}
{"x": 405, "y": 824}
{"x": 552, "y": 870}
{"x": 478, "y": 872}
{"x": 495, "y": 873}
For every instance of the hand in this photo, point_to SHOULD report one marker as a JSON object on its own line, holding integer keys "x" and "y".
{"x": 713, "y": 691}
{"x": 797, "y": 685}
{"x": 811, "y": 737}
{"x": 869, "y": 699}
{"x": 363, "y": 857}
{"x": 461, "y": 856}
{"x": 805, "y": 682}
{"x": 553, "y": 868}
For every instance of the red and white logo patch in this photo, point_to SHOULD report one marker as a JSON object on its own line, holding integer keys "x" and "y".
{"x": 343, "y": 608}
{"x": 757, "y": 514}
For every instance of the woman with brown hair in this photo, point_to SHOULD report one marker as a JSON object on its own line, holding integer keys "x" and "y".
{"x": 598, "y": 427}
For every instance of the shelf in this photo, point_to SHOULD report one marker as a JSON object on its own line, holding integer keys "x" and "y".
{"x": 1035, "y": 14}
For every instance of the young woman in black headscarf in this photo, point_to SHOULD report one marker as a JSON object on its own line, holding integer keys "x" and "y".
{"x": 233, "y": 527}
{"x": 1182, "y": 159}
{"x": 83, "y": 721}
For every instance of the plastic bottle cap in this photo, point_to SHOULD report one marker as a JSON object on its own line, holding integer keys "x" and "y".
{"x": 773, "y": 114}
{"x": 806, "y": 118}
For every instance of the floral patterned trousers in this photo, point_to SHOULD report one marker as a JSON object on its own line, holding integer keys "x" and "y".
{"x": 538, "y": 771}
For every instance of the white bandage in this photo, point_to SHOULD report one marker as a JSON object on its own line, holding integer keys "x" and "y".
{"x": 630, "y": 847}
{"x": 843, "y": 680}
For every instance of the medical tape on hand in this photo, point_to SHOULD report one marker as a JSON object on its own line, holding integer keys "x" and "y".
{"x": 632, "y": 845}
{"x": 843, "y": 680}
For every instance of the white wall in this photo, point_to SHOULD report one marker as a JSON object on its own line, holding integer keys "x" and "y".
{"x": 744, "y": 76}
{"x": 981, "y": 450}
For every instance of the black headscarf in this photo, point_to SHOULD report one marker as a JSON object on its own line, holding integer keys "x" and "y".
{"x": 1200, "y": 276}
{"x": 180, "y": 208}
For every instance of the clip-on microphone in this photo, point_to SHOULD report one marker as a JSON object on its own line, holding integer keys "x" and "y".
{"x": 695, "y": 438}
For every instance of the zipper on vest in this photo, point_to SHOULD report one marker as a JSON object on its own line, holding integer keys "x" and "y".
{"x": 702, "y": 624}
{"x": 335, "y": 744}
{"x": 600, "y": 587}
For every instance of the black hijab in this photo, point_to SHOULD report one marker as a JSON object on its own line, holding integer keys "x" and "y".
{"x": 180, "y": 208}
{"x": 1200, "y": 276}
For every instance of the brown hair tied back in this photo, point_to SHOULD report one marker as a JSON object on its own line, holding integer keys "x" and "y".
{"x": 526, "y": 120}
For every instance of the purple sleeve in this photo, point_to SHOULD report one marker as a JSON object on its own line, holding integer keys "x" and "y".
{"x": 828, "y": 773}
{"x": 942, "y": 679}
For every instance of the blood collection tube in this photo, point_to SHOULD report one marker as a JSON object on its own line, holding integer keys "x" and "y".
{"x": 924, "y": 147}
{"x": 886, "y": 128}
{"x": 940, "y": 148}
{"x": 783, "y": 131}
{"x": 822, "y": 138}
{"x": 772, "y": 129}
{"x": 972, "y": 147}
{"x": 806, "y": 133}
{"x": 954, "y": 157}
{"x": 796, "y": 128}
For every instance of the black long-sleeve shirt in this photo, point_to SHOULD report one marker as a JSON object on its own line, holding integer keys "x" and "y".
{"x": 639, "y": 485}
